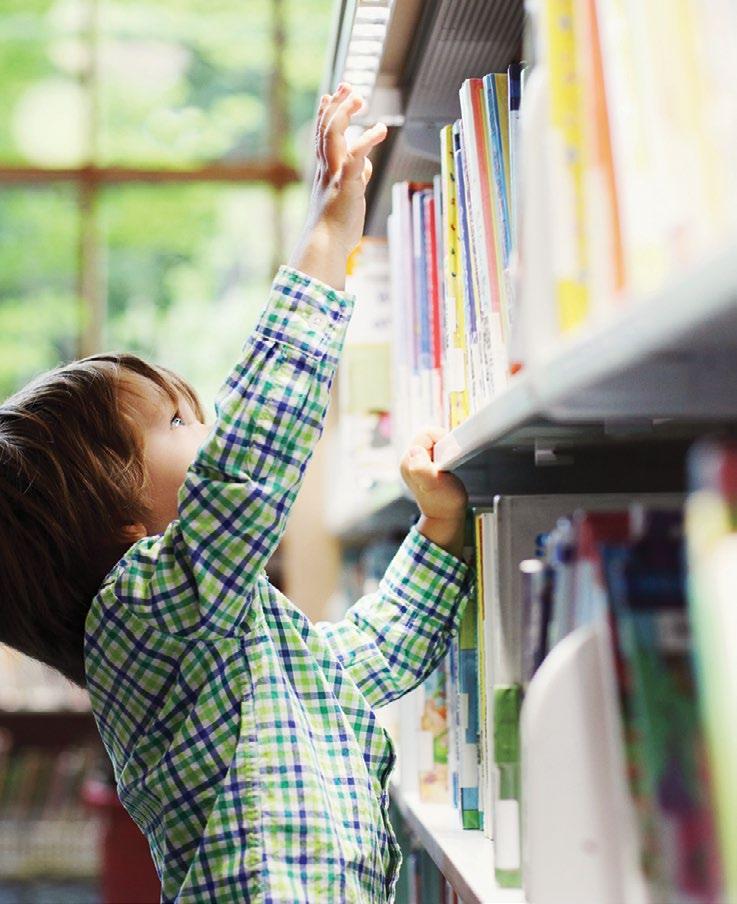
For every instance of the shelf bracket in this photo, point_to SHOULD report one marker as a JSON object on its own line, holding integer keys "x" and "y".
{"x": 546, "y": 456}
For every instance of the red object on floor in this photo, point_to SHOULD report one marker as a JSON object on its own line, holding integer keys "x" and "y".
{"x": 128, "y": 873}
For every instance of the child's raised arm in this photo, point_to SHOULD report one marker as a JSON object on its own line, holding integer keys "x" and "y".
{"x": 238, "y": 492}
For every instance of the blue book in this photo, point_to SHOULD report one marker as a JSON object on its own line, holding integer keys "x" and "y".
{"x": 422, "y": 290}
{"x": 497, "y": 163}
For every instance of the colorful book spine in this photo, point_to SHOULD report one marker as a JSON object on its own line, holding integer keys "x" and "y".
{"x": 496, "y": 124}
{"x": 711, "y": 531}
{"x": 468, "y": 766}
{"x": 457, "y": 366}
{"x": 507, "y": 831}
{"x": 478, "y": 376}
{"x": 433, "y": 739}
{"x": 646, "y": 585}
{"x": 434, "y": 303}
{"x": 481, "y": 215}
{"x": 566, "y": 161}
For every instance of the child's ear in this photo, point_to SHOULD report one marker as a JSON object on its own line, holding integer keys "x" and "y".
{"x": 131, "y": 533}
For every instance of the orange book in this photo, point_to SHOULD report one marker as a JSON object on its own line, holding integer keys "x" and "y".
{"x": 604, "y": 229}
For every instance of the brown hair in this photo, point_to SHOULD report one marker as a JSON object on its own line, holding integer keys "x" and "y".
{"x": 71, "y": 476}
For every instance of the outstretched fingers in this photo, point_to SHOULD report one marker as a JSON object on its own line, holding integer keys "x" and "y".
{"x": 334, "y": 132}
{"x": 357, "y": 157}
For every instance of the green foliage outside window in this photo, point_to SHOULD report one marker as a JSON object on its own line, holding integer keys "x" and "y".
{"x": 179, "y": 83}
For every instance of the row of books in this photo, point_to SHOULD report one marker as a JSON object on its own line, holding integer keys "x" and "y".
{"x": 566, "y": 188}
{"x": 451, "y": 250}
{"x": 551, "y": 568}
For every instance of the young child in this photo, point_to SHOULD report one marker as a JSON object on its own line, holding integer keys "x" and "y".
{"x": 133, "y": 541}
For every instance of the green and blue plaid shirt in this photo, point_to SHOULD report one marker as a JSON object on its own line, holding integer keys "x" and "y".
{"x": 243, "y": 737}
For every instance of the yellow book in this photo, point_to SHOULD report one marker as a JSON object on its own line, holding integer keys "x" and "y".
{"x": 456, "y": 364}
{"x": 569, "y": 251}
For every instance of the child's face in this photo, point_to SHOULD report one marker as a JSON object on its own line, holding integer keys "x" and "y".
{"x": 172, "y": 436}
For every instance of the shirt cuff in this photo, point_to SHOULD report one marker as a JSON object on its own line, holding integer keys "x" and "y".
{"x": 305, "y": 313}
{"x": 430, "y": 581}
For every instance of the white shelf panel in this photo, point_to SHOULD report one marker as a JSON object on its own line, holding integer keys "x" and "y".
{"x": 672, "y": 355}
{"x": 510, "y": 410}
{"x": 465, "y": 857}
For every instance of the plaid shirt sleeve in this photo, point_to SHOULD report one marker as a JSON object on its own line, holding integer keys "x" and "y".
{"x": 393, "y": 639}
{"x": 238, "y": 492}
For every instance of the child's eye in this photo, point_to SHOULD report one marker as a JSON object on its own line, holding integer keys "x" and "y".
{"x": 176, "y": 421}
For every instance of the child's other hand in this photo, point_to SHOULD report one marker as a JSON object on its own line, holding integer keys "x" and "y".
{"x": 337, "y": 205}
{"x": 441, "y": 497}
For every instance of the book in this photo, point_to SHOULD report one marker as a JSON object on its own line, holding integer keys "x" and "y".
{"x": 434, "y": 304}
{"x": 603, "y": 228}
{"x": 646, "y": 586}
{"x": 711, "y": 533}
{"x": 481, "y": 217}
{"x": 479, "y": 376}
{"x": 432, "y": 738}
{"x": 456, "y": 363}
{"x": 565, "y": 160}
{"x": 467, "y": 720}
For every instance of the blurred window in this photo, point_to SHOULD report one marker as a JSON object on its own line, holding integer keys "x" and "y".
{"x": 150, "y": 155}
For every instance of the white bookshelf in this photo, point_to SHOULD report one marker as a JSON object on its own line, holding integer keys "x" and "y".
{"x": 464, "y": 856}
{"x": 612, "y": 408}
{"x": 666, "y": 363}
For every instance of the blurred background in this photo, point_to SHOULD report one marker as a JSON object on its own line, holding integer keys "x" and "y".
{"x": 153, "y": 156}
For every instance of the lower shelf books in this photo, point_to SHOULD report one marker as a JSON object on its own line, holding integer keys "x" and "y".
{"x": 600, "y": 789}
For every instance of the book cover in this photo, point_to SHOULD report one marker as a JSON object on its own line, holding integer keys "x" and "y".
{"x": 483, "y": 679}
{"x": 481, "y": 215}
{"x": 711, "y": 532}
{"x": 434, "y": 306}
{"x": 477, "y": 377}
{"x": 468, "y": 766}
{"x": 606, "y": 254}
{"x": 452, "y": 698}
{"x": 565, "y": 141}
{"x": 646, "y": 584}
{"x": 637, "y": 173}
{"x": 444, "y": 338}
{"x": 433, "y": 739}
{"x": 456, "y": 366}
{"x": 515, "y": 82}
{"x": 422, "y": 323}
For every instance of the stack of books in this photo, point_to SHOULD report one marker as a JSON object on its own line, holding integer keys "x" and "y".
{"x": 570, "y": 185}
{"x": 451, "y": 250}
{"x": 547, "y": 568}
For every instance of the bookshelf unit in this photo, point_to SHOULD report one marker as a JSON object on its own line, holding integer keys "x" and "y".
{"x": 614, "y": 408}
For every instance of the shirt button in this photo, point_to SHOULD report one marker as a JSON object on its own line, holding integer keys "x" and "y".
{"x": 317, "y": 321}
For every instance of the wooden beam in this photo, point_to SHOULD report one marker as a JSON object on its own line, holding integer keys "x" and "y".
{"x": 270, "y": 172}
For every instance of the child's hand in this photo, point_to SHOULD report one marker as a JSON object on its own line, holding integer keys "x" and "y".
{"x": 441, "y": 497}
{"x": 337, "y": 205}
